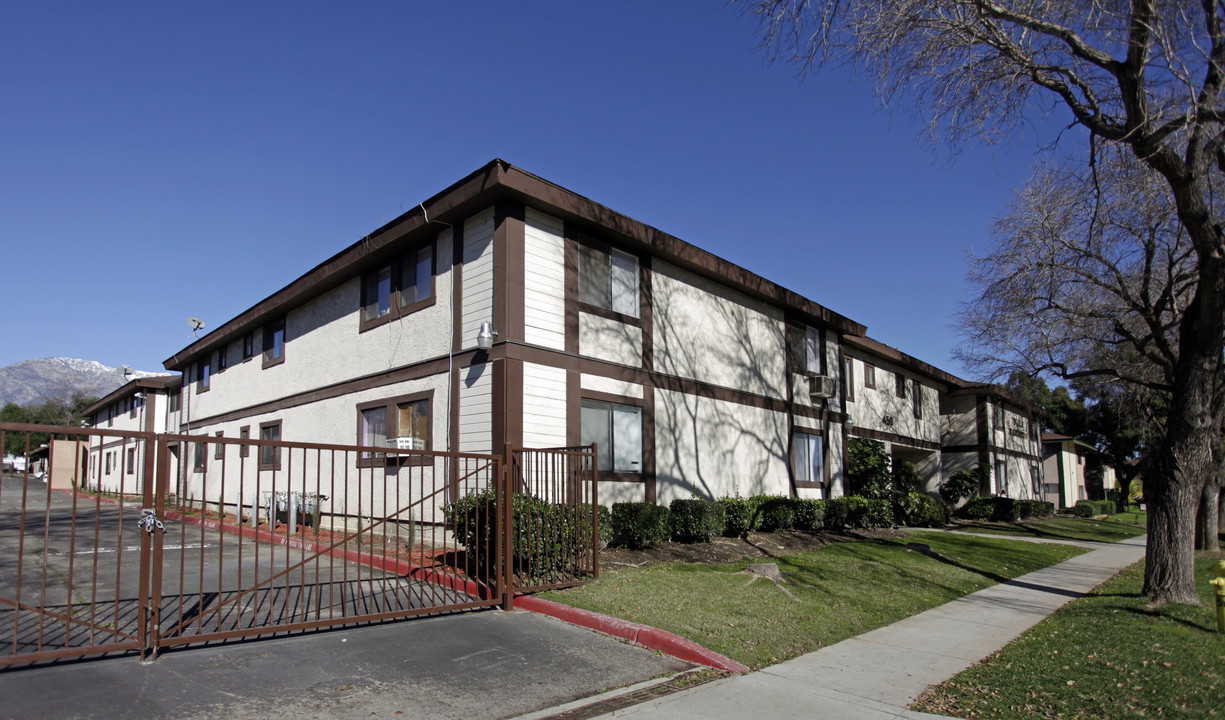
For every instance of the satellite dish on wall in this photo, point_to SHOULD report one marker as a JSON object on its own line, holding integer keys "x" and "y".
{"x": 195, "y": 324}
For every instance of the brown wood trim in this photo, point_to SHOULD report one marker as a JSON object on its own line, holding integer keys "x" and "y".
{"x": 952, "y": 449}
{"x": 420, "y": 370}
{"x": 646, "y": 312}
{"x": 571, "y": 289}
{"x": 895, "y": 438}
{"x": 982, "y": 424}
{"x": 509, "y": 271}
{"x": 804, "y": 485}
{"x": 574, "y": 408}
{"x": 611, "y": 314}
{"x": 649, "y": 473}
{"x": 513, "y": 404}
{"x": 457, "y": 288}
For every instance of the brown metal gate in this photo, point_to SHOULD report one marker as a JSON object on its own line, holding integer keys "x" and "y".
{"x": 152, "y": 541}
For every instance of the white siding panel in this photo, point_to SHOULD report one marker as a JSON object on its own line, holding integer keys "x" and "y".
{"x": 477, "y": 275}
{"x": 476, "y": 408}
{"x": 544, "y": 295}
{"x": 544, "y": 406}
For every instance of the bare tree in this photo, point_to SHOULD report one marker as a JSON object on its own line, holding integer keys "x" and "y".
{"x": 1146, "y": 75}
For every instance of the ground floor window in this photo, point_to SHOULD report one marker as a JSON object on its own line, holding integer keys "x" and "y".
{"x": 199, "y": 457}
{"x": 1035, "y": 475}
{"x": 617, "y": 429}
{"x": 402, "y": 422}
{"x": 809, "y": 458}
{"x": 270, "y": 455}
{"x": 1001, "y": 478}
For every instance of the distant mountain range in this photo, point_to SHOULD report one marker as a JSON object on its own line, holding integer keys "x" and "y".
{"x": 32, "y": 381}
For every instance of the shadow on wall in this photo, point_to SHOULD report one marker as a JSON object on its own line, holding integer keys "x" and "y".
{"x": 706, "y": 446}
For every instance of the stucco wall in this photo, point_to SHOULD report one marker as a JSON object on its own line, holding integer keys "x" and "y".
{"x": 716, "y": 448}
{"x": 611, "y": 340}
{"x": 707, "y": 332}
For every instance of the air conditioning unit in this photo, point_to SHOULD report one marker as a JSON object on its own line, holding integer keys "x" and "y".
{"x": 820, "y": 387}
{"x": 410, "y": 443}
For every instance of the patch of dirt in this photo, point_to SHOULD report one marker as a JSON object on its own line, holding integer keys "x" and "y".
{"x": 728, "y": 550}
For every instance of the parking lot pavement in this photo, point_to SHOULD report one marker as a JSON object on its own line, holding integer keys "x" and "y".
{"x": 488, "y": 664}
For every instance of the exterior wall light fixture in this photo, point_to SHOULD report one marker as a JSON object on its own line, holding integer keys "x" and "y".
{"x": 484, "y": 338}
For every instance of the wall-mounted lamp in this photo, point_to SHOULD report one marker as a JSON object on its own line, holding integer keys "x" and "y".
{"x": 484, "y": 338}
{"x": 849, "y": 423}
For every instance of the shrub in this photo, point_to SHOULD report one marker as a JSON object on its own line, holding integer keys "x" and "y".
{"x": 1005, "y": 510}
{"x": 809, "y": 515}
{"x": 963, "y": 484}
{"x": 640, "y": 525}
{"x": 546, "y": 540}
{"x": 738, "y": 516}
{"x": 1085, "y": 508}
{"x": 696, "y": 520}
{"x": 604, "y": 516}
{"x": 977, "y": 509}
{"x": 851, "y": 511}
{"x": 868, "y": 468}
{"x": 776, "y": 513}
{"x": 916, "y": 509}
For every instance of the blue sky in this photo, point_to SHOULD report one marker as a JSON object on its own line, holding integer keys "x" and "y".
{"x": 161, "y": 160}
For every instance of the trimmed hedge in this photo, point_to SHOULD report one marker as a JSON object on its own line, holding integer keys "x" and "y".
{"x": 547, "y": 537}
{"x": 852, "y": 511}
{"x": 1089, "y": 508}
{"x": 696, "y": 520}
{"x": 916, "y": 509}
{"x": 738, "y": 516}
{"x": 775, "y": 513}
{"x": 809, "y": 514}
{"x": 1000, "y": 509}
{"x": 1035, "y": 508}
{"x": 640, "y": 525}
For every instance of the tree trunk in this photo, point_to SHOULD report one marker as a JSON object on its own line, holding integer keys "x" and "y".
{"x": 1207, "y": 519}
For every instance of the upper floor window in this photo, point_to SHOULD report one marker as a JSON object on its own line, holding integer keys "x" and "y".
{"x": 398, "y": 288}
{"x": 848, "y": 379}
{"x": 608, "y": 278}
{"x": 274, "y": 342}
{"x": 223, "y": 358}
{"x": 248, "y": 346}
{"x": 203, "y": 371}
{"x": 899, "y": 385}
{"x": 869, "y": 376}
{"x": 918, "y": 398}
{"x": 806, "y": 348}
{"x": 999, "y": 417}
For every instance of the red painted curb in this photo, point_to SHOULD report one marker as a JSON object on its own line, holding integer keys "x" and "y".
{"x": 645, "y": 635}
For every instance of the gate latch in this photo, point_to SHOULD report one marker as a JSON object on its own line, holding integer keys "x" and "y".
{"x": 148, "y": 521}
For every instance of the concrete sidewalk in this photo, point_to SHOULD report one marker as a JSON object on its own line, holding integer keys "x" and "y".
{"x": 878, "y": 674}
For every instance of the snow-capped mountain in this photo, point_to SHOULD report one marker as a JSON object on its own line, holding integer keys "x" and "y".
{"x": 33, "y": 381}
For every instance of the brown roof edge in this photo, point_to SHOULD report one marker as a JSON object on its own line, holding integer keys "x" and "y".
{"x": 440, "y": 208}
{"x": 156, "y": 382}
{"x": 570, "y": 205}
{"x": 972, "y": 388}
{"x": 867, "y": 344}
{"x": 496, "y": 179}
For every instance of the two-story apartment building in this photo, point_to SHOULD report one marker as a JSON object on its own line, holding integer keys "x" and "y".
{"x": 509, "y": 310}
{"x": 148, "y": 404}
{"x": 985, "y": 424}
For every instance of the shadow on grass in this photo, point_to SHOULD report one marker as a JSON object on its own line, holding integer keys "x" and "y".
{"x": 1031, "y": 530}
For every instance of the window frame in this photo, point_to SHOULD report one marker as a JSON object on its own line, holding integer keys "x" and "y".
{"x": 609, "y": 449}
{"x": 219, "y": 448}
{"x": 998, "y": 419}
{"x": 899, "y": 384}
{"x": 204, "y": 371}
{"x": 244, "y": 433}
{"x": 396, "y": 268}
{"x": 916, "y": 389}
{"x": 223, "y": 358}
{"x": 391, "y": 423}
{"x": 823, "y": 483}
{"x": 270, "y": 450}
{"x": 588, "y": 244}
{"x": 131, "y": 461}
{"x": 269, "y": 346}
{"x": 199, "y": 458}
{"x": 848, "y": 378}
{"x": 248, "y": 346}
{"x": 869, "y": 376}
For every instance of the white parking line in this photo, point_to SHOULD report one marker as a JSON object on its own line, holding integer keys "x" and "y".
{"x": 136, "y": 548}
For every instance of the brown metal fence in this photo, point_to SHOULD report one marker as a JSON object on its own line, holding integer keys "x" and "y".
{"x": 138, "y": 542}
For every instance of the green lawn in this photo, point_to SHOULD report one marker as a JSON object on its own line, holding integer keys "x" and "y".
{"x": 1109, "y": 529}
{"x": 830, "y": 594}
{"x": 1106, "y": 655}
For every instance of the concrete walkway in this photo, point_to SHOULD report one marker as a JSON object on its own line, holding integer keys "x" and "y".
{"x": 878, "y": 674}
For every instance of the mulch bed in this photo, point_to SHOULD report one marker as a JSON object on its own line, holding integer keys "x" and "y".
{"x": 755, "y": 546}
